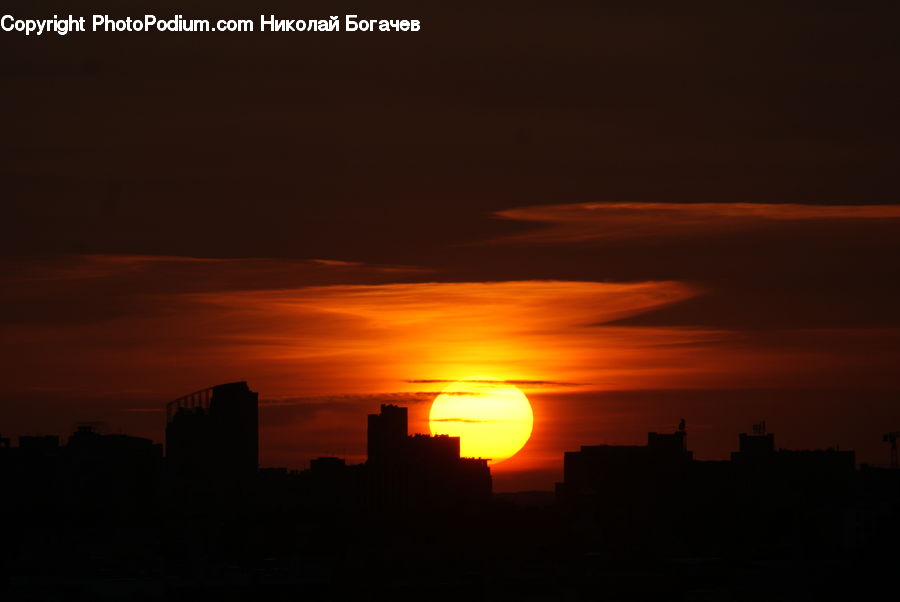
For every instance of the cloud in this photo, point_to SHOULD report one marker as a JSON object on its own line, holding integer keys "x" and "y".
{"x": 137, "y": 321}
{"x": 466, "y": 420}
{"x": 92, "y": 288}
{"x": 583, "y": 222}
{"x": 316, "y": 402}
{"x": 170, "y": 274}
{"x": 533, "y": 383}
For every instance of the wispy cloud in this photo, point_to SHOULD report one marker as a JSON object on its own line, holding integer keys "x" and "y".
{"x": 322, "y": 339}
{"x": 175, "y": 274}
{"x": 476, "y": 421}
{"x": 582, "y": 222}
{"x": 523, "y": 382}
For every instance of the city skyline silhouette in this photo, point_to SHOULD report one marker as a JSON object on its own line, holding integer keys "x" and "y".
{"x": 207, "y": 519}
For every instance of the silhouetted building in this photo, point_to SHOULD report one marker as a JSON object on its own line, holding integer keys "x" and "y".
{"x": 38, "y": 444}
{"x": 759, "y": 443}
{"x": 212, "y": 440}
{"x": 387, "y": 434}
{"x": 33, "y": 473}
{"x": 420, "y": 471}
{"x": 630, "y": 497}
{"x": 327, "y": 466}
{"x": 113, "y": 472}
{"x": 606, "y": 471}
{"x": 93, "y": 473}
{"x": 656, "y": 499}
{"x": 802, "y": 495}
{"x": 757, "y": 457}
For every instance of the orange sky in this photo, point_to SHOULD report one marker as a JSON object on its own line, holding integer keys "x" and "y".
{"x": 655, "y": 215}
{"x": 324, "y": 355}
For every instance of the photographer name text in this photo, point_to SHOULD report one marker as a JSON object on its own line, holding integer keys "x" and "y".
{"x": 70, "y": 24}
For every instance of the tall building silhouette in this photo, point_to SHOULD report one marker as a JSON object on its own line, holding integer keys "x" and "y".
{"x": 387, "y": 434}
{"x": 212, "y": 437}
{"x": 407, "y": 472}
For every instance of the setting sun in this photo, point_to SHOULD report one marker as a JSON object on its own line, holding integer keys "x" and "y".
{"x": 493, "y": 419}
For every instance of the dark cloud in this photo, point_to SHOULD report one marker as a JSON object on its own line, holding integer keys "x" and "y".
{"x": 464, "y": 420}
{"x": 317, "y": 154}
{"x": 533, "y": 383}
{"x": 318, "y": 402}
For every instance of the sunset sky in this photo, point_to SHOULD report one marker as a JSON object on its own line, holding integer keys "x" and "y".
{"x": 636, "y": 215}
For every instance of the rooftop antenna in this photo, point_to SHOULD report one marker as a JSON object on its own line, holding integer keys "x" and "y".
{"x": 682, "y": 426}
{"x": 759, "y": 428}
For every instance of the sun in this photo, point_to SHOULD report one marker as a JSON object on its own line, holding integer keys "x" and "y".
{"x": 493, "y": 419}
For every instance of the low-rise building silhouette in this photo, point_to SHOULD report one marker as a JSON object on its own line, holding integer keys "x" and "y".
{"x": 95, "y": 472}
{"x": 658, "y": 499}
{"x": 112, "y": 472}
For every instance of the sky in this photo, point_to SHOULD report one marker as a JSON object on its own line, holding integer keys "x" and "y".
{"x": 640, "y": 214}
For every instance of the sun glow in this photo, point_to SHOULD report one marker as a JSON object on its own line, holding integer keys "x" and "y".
{"x": 493, "y": 419}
